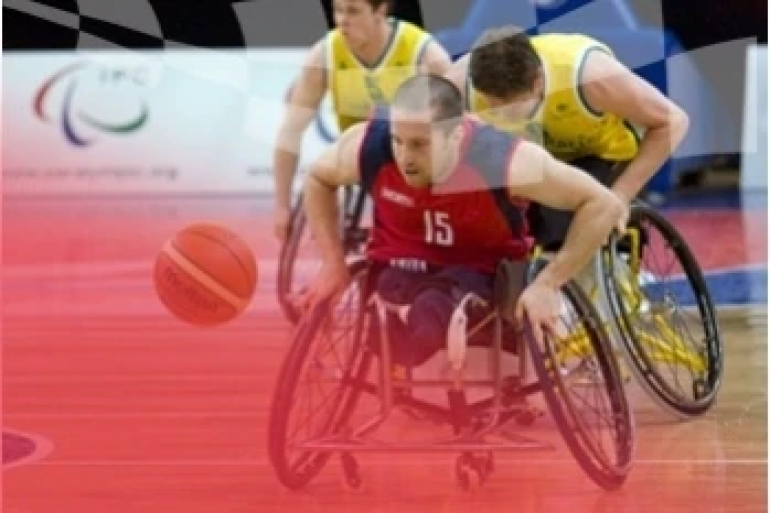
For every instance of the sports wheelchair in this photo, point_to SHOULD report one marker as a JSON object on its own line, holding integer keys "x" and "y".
{"x": 345, "y": 347}
{"x": 660, "y": 313}
{"x": 667, "y": 330}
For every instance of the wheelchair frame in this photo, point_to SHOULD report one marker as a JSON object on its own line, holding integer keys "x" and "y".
{"x": 625, "y": 300}
{"x": 621, "y": 299}
{"x": 469, "y": 438}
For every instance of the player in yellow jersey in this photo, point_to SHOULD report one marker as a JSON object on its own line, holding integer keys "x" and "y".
{"x": 360, "y": 64}
{"x": 569, "y": 93}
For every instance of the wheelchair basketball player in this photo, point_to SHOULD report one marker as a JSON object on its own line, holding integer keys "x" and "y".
{"x": 448, "y": 195}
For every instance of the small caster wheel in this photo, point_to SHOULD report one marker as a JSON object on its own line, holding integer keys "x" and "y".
{"x": 463, "y": 469}
{"x": 472, "y": 471}
{"x": 463, "y": 480}
{"x": 354, "y": 482}
{"x": 351, "y": 470}
{"x": 482, "y": 466}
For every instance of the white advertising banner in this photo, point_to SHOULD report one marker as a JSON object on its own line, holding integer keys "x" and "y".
{"x": 754, "y": 155}
{"x": 170, "y": 122}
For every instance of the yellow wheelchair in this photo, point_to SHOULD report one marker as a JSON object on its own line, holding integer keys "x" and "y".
{"x": 656, "y": 305}
{"x": 343, "y": 390}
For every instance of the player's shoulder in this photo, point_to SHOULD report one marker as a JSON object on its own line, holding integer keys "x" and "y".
{"x": 566, "y": 45}
{"x": 489, "y": 151}
{"x": 409, "y": 28}
{"x": 487, "y": 140}
{"x": 375, "y": 132}
{"x": 458, "y": 72}
{"x": 316, "y": 55}
{"x": 331, "y": 45}
{"x": 562, "y": 38}
{"x": 375, "y": 149}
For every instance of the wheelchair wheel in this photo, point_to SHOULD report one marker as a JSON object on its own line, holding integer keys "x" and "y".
{"x": 290, "y": 279}
{"x": 584, "y": 390}
{"x": 667, "y": 319}
{"x": 316, "y": 390}
{"x": 299, "y": 260}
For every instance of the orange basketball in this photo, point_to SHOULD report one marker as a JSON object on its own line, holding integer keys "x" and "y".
{"x": 205, "y": 275}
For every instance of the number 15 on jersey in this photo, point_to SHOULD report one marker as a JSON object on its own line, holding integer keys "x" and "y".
{"x": 438, "y": 230}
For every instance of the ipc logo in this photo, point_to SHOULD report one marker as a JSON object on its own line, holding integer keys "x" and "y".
{"x": 87, "y": 99}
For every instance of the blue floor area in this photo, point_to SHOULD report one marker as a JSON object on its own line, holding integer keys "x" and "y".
{"x": 740, "y": 287}
{"x": 730, "y": 198}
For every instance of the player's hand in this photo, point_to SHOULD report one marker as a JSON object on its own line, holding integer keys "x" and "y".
{"x": 331, "y": 281}
{"x": 622, "y": 222}
{"x": 281, "y": 223}
{"x": 540, "y": 304}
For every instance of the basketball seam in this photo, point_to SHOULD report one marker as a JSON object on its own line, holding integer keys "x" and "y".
{"x": 204, "y": 279}
{"x": 222, "y": 245}
{"x": 187, "y": 312}
{"x": 235, "y": 255}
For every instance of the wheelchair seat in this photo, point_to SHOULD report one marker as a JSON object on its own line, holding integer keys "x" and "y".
{"x": 474, "y": 320}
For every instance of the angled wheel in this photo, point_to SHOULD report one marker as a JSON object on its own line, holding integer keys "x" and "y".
{"x": 299, "y": 259}
{"x": 666, "y": 316}
{"x": 584, "y": 390}
{"x": 298, "y": 263}
{"x": 317, "y": 388}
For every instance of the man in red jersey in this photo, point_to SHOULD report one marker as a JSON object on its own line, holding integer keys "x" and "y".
{"x": 448, "y": 196}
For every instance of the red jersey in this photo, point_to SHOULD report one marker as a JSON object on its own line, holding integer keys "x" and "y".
{"x": 468, "y": 220}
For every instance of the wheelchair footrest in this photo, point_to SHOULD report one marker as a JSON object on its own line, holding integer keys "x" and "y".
{"x": 497, "y": 441}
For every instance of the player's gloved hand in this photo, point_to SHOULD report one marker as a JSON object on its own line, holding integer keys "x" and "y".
{"x": 540, "y": 303}
{"x": 281, "y": 223}
{"x": 331, "y": 281}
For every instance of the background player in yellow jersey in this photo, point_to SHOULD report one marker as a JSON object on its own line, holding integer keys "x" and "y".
{"x": 360, "y": 63}
{"x": 570, "y": 93}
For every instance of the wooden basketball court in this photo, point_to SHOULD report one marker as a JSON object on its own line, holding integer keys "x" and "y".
{"x": 132, "y": 411}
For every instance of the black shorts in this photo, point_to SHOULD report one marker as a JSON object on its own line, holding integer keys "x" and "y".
{"x": 432, "y": 297}
{"x": 549, "y": 226}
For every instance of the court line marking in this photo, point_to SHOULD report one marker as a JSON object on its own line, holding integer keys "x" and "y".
{"x": 138, "y": 415}
{"x": 86, "y": 334}
{"x": 150, "y": 378}
{"x": 96, "y": 310}
{"x": 43, "y": 448}
{"x": 97, "y": 267}
{"x": 134, "y": 415}
{"x": 383, "y": 462}
{"x": 210, "y": 414}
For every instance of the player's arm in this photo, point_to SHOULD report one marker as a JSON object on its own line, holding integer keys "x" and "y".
{"x": 458, "y": 73}
{"x": 608, "y": 86}
{"x": 435, "y": 59}
{"x": 301, "y": 106}
{"x": 337, "y": 167}
{"x": 534, "y": 174}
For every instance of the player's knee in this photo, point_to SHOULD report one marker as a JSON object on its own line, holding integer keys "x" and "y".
{"x": 395, "y": 285}
{"x": 427, "y": 324}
